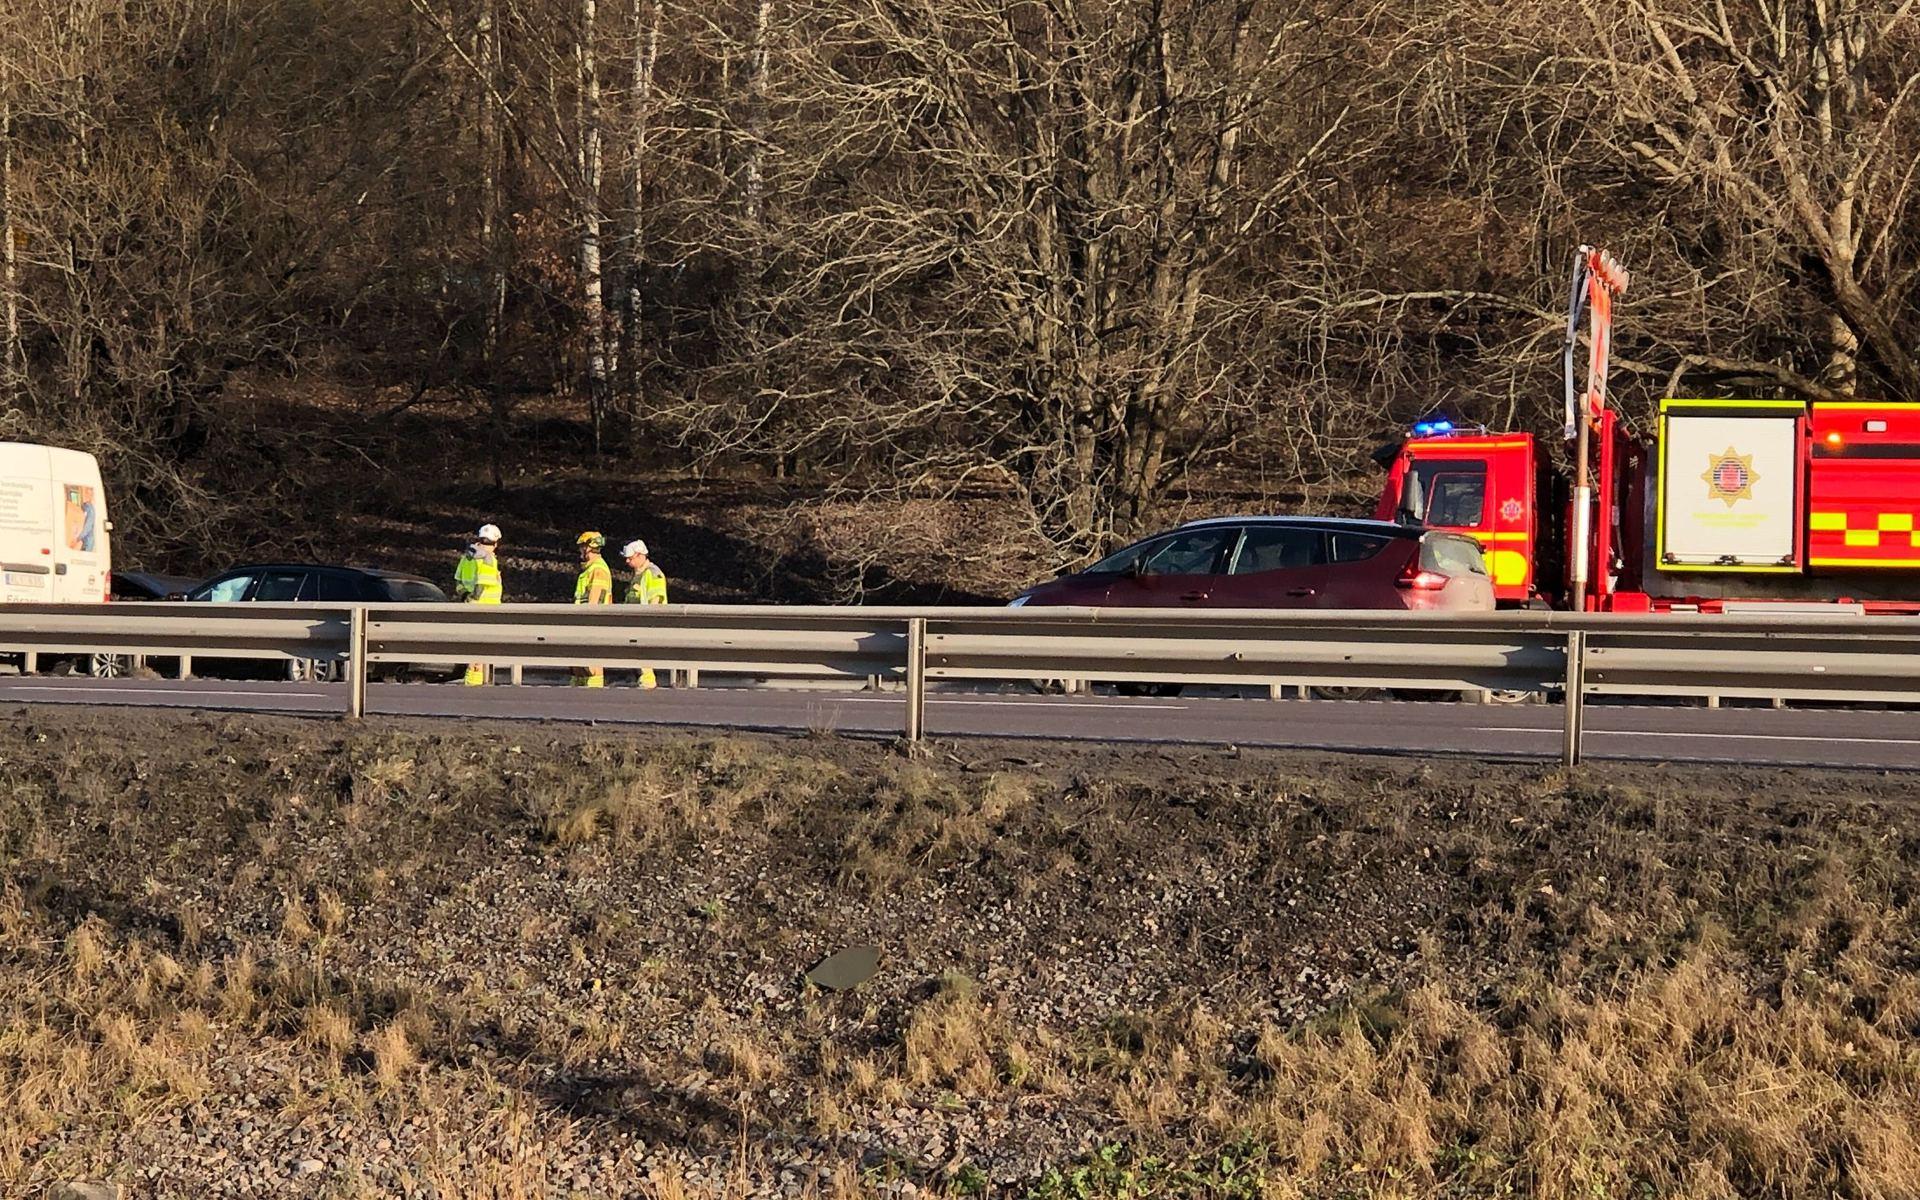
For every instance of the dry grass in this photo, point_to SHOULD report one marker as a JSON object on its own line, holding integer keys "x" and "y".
{"x": 1610, "y": 993}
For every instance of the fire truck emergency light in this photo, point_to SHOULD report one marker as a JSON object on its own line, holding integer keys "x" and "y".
{"x": 1432, "y": 428}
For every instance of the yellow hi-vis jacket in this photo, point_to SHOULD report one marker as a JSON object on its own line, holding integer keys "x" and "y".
{"x": 476, "y": 580}
{"x": 648, "y": 587}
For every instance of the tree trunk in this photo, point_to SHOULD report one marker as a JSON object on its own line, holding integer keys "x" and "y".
{"x": 646, "y": 50}
{"x": 593, "y": 314}
{"x": 487, "y": 58}
{"x": 10, "y": 375}
{"x": 753, "y": 182}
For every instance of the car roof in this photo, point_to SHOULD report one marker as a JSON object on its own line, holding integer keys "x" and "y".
{"x": 371, "y": 572}
{"x": 1343, "y": 524}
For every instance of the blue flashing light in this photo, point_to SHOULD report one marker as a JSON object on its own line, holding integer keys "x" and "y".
{"x": 1432, "y": 428}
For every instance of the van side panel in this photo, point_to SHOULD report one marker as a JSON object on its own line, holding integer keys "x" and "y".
{"x": 81, "y": 536}
{"x": 26, "y": 525}
{"x": 55, "y": 546}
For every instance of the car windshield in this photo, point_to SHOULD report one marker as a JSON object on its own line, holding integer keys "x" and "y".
{"x": 1452, "y": 556}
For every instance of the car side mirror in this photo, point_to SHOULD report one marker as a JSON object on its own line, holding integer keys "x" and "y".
{"x": 1137, "y": 567}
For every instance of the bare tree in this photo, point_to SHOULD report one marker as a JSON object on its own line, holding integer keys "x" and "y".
{"x": 1014, "y": 236}
{"x": 644, "y": 53}
{"x": 1770, "y": 146}
{"x": 9, "y": 254}
{"x": 587, "y": 196}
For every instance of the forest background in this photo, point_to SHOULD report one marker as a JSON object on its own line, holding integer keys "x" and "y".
{"x": 905, "y": 297}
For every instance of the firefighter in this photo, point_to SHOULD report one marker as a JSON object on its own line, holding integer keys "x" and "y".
{"x": 649, "y": 586}
{"x": 593, "y": 586}
{"x": 476, "y": 580}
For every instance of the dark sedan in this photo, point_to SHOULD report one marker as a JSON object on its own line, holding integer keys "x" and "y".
{"x": 286, "y": 582}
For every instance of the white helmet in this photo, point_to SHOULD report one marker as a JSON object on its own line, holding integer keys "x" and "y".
{"x": 636, "y": 546}
{"x": 488, "y": 533}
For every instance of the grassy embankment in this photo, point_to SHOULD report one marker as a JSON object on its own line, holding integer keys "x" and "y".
{"x": 248, "y": 956}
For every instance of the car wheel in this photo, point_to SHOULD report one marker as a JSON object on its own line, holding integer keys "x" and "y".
{"x": 311, "y": 670}
{"x": 1515, "y": 696}
{"x": 1335, "y": 692}
{"x": 1147, "y": 689}
{"x": 109, "y": 666}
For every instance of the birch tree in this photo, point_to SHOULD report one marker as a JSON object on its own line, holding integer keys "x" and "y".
{"x": 644, "y": 54}
{"x": 593, "y": 318}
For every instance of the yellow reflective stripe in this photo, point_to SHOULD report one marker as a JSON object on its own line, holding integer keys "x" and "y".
{"x": 1854, "y": 406}
{"x": 1501, "y": 537}
{"x": 1865, "y": 562}
{"x": 1468, "y": 444}
{"x": 1665, "y": 405}
{"x": 1828, "y": 522}
{"x": 1509, "y": 569}
{"x": 1863, "y": 537}
{"x": 1896, "y": 522}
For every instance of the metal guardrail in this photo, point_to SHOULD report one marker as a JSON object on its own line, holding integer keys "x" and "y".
{"x": 1850, "y": 658}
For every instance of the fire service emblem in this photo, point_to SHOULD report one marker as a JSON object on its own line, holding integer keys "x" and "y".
{"x": 1729, "y": 476}
{"x": 1511, "y": 510}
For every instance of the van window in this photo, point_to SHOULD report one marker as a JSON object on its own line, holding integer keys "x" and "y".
{"x": 1279, "y": 548}
{"x": 1455, "y": 491}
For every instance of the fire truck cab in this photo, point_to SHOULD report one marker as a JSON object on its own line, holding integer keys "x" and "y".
{"x": 1732, "y": 503}
{"x": 1488, "y": 486}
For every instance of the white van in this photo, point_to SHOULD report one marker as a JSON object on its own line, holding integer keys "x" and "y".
{"x": 55, "y": 538}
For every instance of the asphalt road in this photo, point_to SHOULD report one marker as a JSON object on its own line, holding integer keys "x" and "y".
{"x": 1809, "y": 737}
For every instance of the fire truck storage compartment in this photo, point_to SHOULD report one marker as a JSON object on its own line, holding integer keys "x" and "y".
{"x": 1864, "y": 495}
{"x": 1730, "y": 492}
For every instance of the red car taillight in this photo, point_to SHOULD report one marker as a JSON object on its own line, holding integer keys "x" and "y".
{"x": 1414, "y": 578}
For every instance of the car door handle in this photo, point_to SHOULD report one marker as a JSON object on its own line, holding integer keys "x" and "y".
{"x": 1193, "y": 597}
{"x": 1299, "y": 591}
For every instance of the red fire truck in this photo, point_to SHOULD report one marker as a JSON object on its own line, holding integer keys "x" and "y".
{"x": 1728, "y": 505}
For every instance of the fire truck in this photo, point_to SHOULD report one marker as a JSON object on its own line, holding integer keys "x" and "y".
{"x": 1724, "y": 505}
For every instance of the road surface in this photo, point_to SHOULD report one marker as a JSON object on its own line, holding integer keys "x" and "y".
{"x": 1809, "y": 737}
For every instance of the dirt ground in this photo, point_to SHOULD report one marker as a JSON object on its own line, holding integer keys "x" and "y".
{"x": 319, "y": 472}
{"x": 250, "y": 956}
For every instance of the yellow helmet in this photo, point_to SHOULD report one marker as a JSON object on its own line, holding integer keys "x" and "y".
{"x": 597, "y": 541}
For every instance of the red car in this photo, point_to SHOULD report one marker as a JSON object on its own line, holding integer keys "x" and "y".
{"x": 1284, "y": 562}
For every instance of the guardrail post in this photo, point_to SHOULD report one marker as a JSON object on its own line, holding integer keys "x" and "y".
{"x": 356, "y": 663}
{"x": 186, "y": 667}
{"x": 516, "y": 674}
{"x": 30, "y": 663}
{"x": 1576, "y": 697}
{"x": 916, "y": 678}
